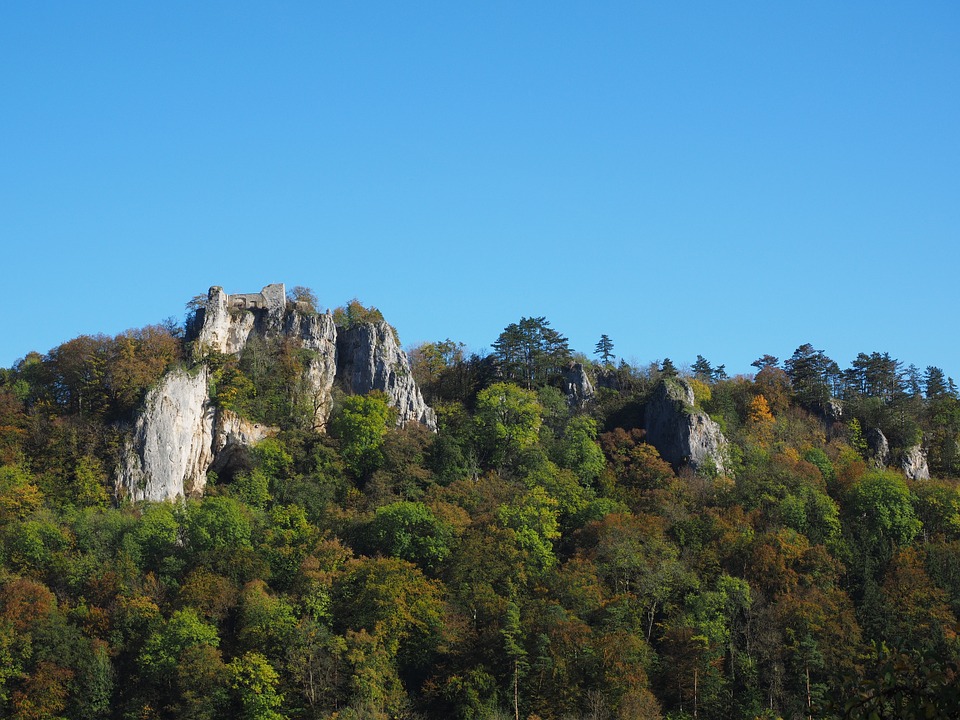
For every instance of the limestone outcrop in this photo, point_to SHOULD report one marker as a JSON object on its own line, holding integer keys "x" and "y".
{"x": 914, "y": 463}
{"x": 370, "y": 358}
{"x": 682, "y": 434}
{"x": 879, "y": 448}
{"x": 834, "y": 410}
{"x": 608, "y": 378}
{"x": 230, "y": 320}
{"x": 170, "y": 450}
{"x": 318, "y": 333}
{"x": 232, "y": 436}
{"x": 181, "y": 435}
{"x": 577, "y": 386}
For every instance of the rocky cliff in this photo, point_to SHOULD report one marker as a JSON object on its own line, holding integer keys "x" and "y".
{"x": 178, "y": 437}
{"x": 370, "y": 358}
{"x": 682, "y": 434}
{"x": 170, "y": 450}
{"x": 180, "y": 434}
{"x": 914, "y": 463}
{"x": 318, "y": 334}
{"x": 230, "y": 320}
{"x": 577, "y": 385}
{"x": 879, "y": 448}
{"x": 232, "y": 436}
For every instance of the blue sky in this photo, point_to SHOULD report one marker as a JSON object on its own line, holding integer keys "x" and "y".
{"x": 728, "y": 179}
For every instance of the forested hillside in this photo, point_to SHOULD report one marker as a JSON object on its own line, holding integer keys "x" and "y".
{"x": 534, "y": 557}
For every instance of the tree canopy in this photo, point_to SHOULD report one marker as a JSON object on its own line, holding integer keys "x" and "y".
{"x": 532, "y": 558}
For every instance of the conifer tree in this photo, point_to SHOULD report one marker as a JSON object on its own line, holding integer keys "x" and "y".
{"x": 604, "y": 349}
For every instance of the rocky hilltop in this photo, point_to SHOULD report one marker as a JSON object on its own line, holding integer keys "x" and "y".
{"x": 181, "y": 433}
{"x": 682, "y": 434}
{"x": 369, "y": 357}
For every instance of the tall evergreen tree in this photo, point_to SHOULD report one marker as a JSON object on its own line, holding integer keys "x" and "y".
{"x": 702, "y": 368}
{"x": 814, "y": 376}
{"x": 765, "y": 361}
{"x": 667, "y": 368}
{"x": 531, "y": 352}
{"x": 934, "y": 382}
{"x": 604, "y": 349}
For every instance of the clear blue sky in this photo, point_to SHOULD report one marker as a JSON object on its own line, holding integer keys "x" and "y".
{"x": 729, "y": 179}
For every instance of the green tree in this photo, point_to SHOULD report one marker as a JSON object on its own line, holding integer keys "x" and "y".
{"x": 89, "y": 483}
{"x": 668, "y": 369}
{"x": 396, "y": 602}
{"x": 286, "y": 540}
{"x": 410, "y": 531}
{"x": 164, "y": 648}
{"x": 702, "y": 368}
{"x": 814, "y": 376}
{"x": 155, "y": 539}
{"x": 254, "y": 682}
{"x": 579, "y": 450}
{"x": 765, "y": 361}
{"x": 355, "y": 313}
{"x": 512, "y": 633}
{"x": 533, "y": 519}
{"x": 934, "y": 383}
{"x": 508, "y": 422}
{"x": 531, "y": 352}
{"x": 439, "y": 369}
{"x": 304, "y": 297}
{"x": 183, "y": 671}
{"x": 642, "y": 567}
{"x": 604, "y": 349}
{"x": 218, "y": 524}
{"x": 266, "y": 621}
{"x": 361, "y": 426}
{"x": 875, "y": 375}
{"x": 880, "y": 518}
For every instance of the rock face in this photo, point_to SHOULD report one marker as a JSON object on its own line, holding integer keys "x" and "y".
{"x": 608, "y": 378}
{"x": 369, "y": 358}
{"x": 232, "y": 436}
{"x": 681, "y": 433}
{"x": 577, "y": 385}
{"x": 230, "y": 320}
{"x": 180, "y": 435}
{"x": 879, "y": 448}
{"x": 914, "y": 463}
{"x": 834, "y": 410}
{"x": 318, "y": 333}
{"x": 170, "y": 451}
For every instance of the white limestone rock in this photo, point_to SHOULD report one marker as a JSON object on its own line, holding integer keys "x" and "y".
{"x": 879, "y": 448}
{"x": 225, "y": 330}
{"x": 230, "y": 320}
{"x": 914, "y": 463}
{"x": 179, "y": 436}
{"x": 170, "y": 450}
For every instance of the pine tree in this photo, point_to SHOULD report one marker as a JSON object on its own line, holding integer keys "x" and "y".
{"x": 934, "y": 382}
{"x": 668, "y": 369}
{"x": 765, "y": 362}
{"x": 531, "y": 352}
{"x": 702, "y": 368}
{"x": 604, "y": 349}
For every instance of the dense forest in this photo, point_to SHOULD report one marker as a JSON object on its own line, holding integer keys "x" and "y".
{"x": 533, "y": 558}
